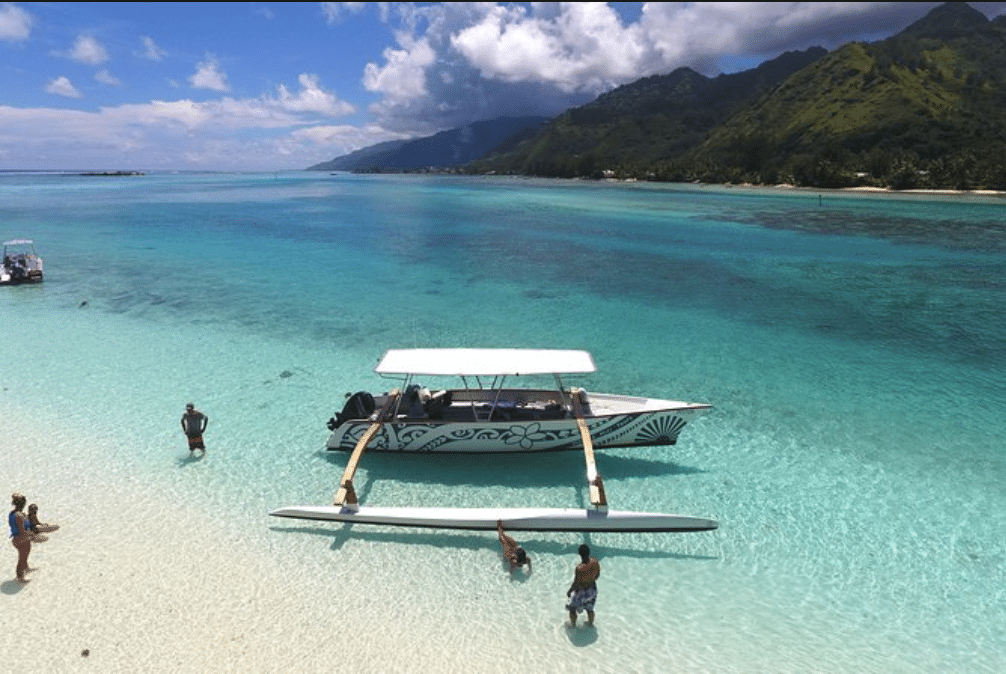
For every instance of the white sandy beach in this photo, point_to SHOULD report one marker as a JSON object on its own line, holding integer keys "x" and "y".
{"x": 144, "y": 583}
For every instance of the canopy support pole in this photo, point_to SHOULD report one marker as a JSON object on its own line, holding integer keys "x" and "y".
{"x": 346, "y": 496}
{"x": 597, "y": 497}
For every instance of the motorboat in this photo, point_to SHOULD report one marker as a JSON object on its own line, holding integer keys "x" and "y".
{"x": 485, "y": 414}
{"x": 21, "y": 264}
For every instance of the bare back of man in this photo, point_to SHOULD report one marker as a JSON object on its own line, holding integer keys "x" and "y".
{"x": 583, "y": 590}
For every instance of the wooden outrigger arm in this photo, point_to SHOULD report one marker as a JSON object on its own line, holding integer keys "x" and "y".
{"x": 597, "y": 497}
{"x": 346, "y": 496}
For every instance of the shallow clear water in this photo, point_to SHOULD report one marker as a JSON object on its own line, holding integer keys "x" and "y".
{"x": 853, "y": 348}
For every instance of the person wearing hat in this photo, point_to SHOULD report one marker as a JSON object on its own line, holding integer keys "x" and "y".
{"x": 512, "y": 552}
{"x": 194, "y": 425}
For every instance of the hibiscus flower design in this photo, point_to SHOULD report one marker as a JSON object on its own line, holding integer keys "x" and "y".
{"x": 526, "y": 436}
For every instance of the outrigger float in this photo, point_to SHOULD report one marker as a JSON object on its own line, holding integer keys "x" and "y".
{"x": 347, "y": 509}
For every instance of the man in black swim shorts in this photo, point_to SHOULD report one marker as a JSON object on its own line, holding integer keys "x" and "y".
{"x": 194, "y": 425}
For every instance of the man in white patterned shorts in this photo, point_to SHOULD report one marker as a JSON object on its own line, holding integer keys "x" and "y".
{"x": 584, "y": 587}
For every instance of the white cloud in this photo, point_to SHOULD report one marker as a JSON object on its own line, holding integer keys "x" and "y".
{"x": 404, "y": 75}
{"x": 332, "y": 11}
{"x": 346, "y": 137}
{"x": 312, "y": 98}
{"x": 583, "y": 47}
{"x": 15, "y": 23}
{"x": 224, "y": 116}
{"x": 224, "y": 134}
{"x": 88, "y": 50}
{"x": 208, "y": 76}
{"x": 151, "y": 50}
{"x": 62, "y": 86}
{"x": 106, "y": 77}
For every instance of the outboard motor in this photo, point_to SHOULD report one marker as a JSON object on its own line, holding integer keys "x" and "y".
{"x": 359, "y": 406}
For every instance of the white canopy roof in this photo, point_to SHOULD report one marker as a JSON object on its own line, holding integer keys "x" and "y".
{"x": 484, "y": 362}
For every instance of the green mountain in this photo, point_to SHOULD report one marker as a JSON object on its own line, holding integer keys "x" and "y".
{"x": 643, "y": 123}
{"x": 445, "y": 149}
{"x": 924, "y": 108}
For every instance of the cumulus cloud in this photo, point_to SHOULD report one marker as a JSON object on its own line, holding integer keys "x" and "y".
{"x": 313, "y": 98}
{"x": 584, "y": 47}
{"x": 159, "y": 124}
{"x": 184, "y": 132}
{"x": 403, "y": 77}
{"x": 151, "y": 50}
{"x": 208, "y": 76}
{"x": 15, "y": 23}
{"x": 88, "y": 50}
{"x": 62, "y": 86}
{"x": 106, "y": 77}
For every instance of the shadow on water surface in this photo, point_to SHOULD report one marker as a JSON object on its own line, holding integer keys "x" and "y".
{"x": 581, "y": 635}
{"x": 474, "y": 541}
{"x": 504, "y": 470}
{"x": 191, "y": 458}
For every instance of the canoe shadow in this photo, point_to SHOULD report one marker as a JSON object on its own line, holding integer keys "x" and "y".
{"x": 342, "y": 533}
{"x": 504, "y": 470}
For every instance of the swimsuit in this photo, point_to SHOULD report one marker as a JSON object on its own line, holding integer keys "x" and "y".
{"x": 583, "y": 599}
{"x": 193, "y": 429}
{"x": 12, "y": 521}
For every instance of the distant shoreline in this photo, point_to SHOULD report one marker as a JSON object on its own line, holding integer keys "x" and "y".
{"x": 879, "y": 191}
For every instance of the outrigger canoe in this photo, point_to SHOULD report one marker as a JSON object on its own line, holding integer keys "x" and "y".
{"x": 486, "y": 415}
{"x": 573, "y": 427}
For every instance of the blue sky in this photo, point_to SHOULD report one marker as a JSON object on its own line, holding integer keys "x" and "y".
{"x": 274, "y": 86}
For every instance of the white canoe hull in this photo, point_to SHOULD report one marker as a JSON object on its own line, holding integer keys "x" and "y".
{"x": 514, "y": 519}
{"x": 656, "y": 422}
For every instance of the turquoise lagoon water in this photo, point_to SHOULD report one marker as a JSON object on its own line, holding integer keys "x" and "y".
{"x": 852, "y": 345}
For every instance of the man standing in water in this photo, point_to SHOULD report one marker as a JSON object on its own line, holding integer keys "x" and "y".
{"x": 584, "y": 587}
{"x": 193, "y": 425}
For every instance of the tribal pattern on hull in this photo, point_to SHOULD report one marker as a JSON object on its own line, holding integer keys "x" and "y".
{"x": 625, "y": 430}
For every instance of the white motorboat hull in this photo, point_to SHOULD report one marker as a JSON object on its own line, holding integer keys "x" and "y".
{"x": 513, "y": 519}
{"x": 653, "y": 424}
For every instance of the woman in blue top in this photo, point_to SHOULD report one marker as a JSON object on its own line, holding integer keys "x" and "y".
{"x": 20, "y": 534}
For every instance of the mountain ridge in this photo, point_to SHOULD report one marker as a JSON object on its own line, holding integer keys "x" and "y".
{"x": 454, "y": 147}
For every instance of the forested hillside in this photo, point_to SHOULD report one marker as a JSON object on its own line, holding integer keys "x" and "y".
{"x": 924, "y": 108}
